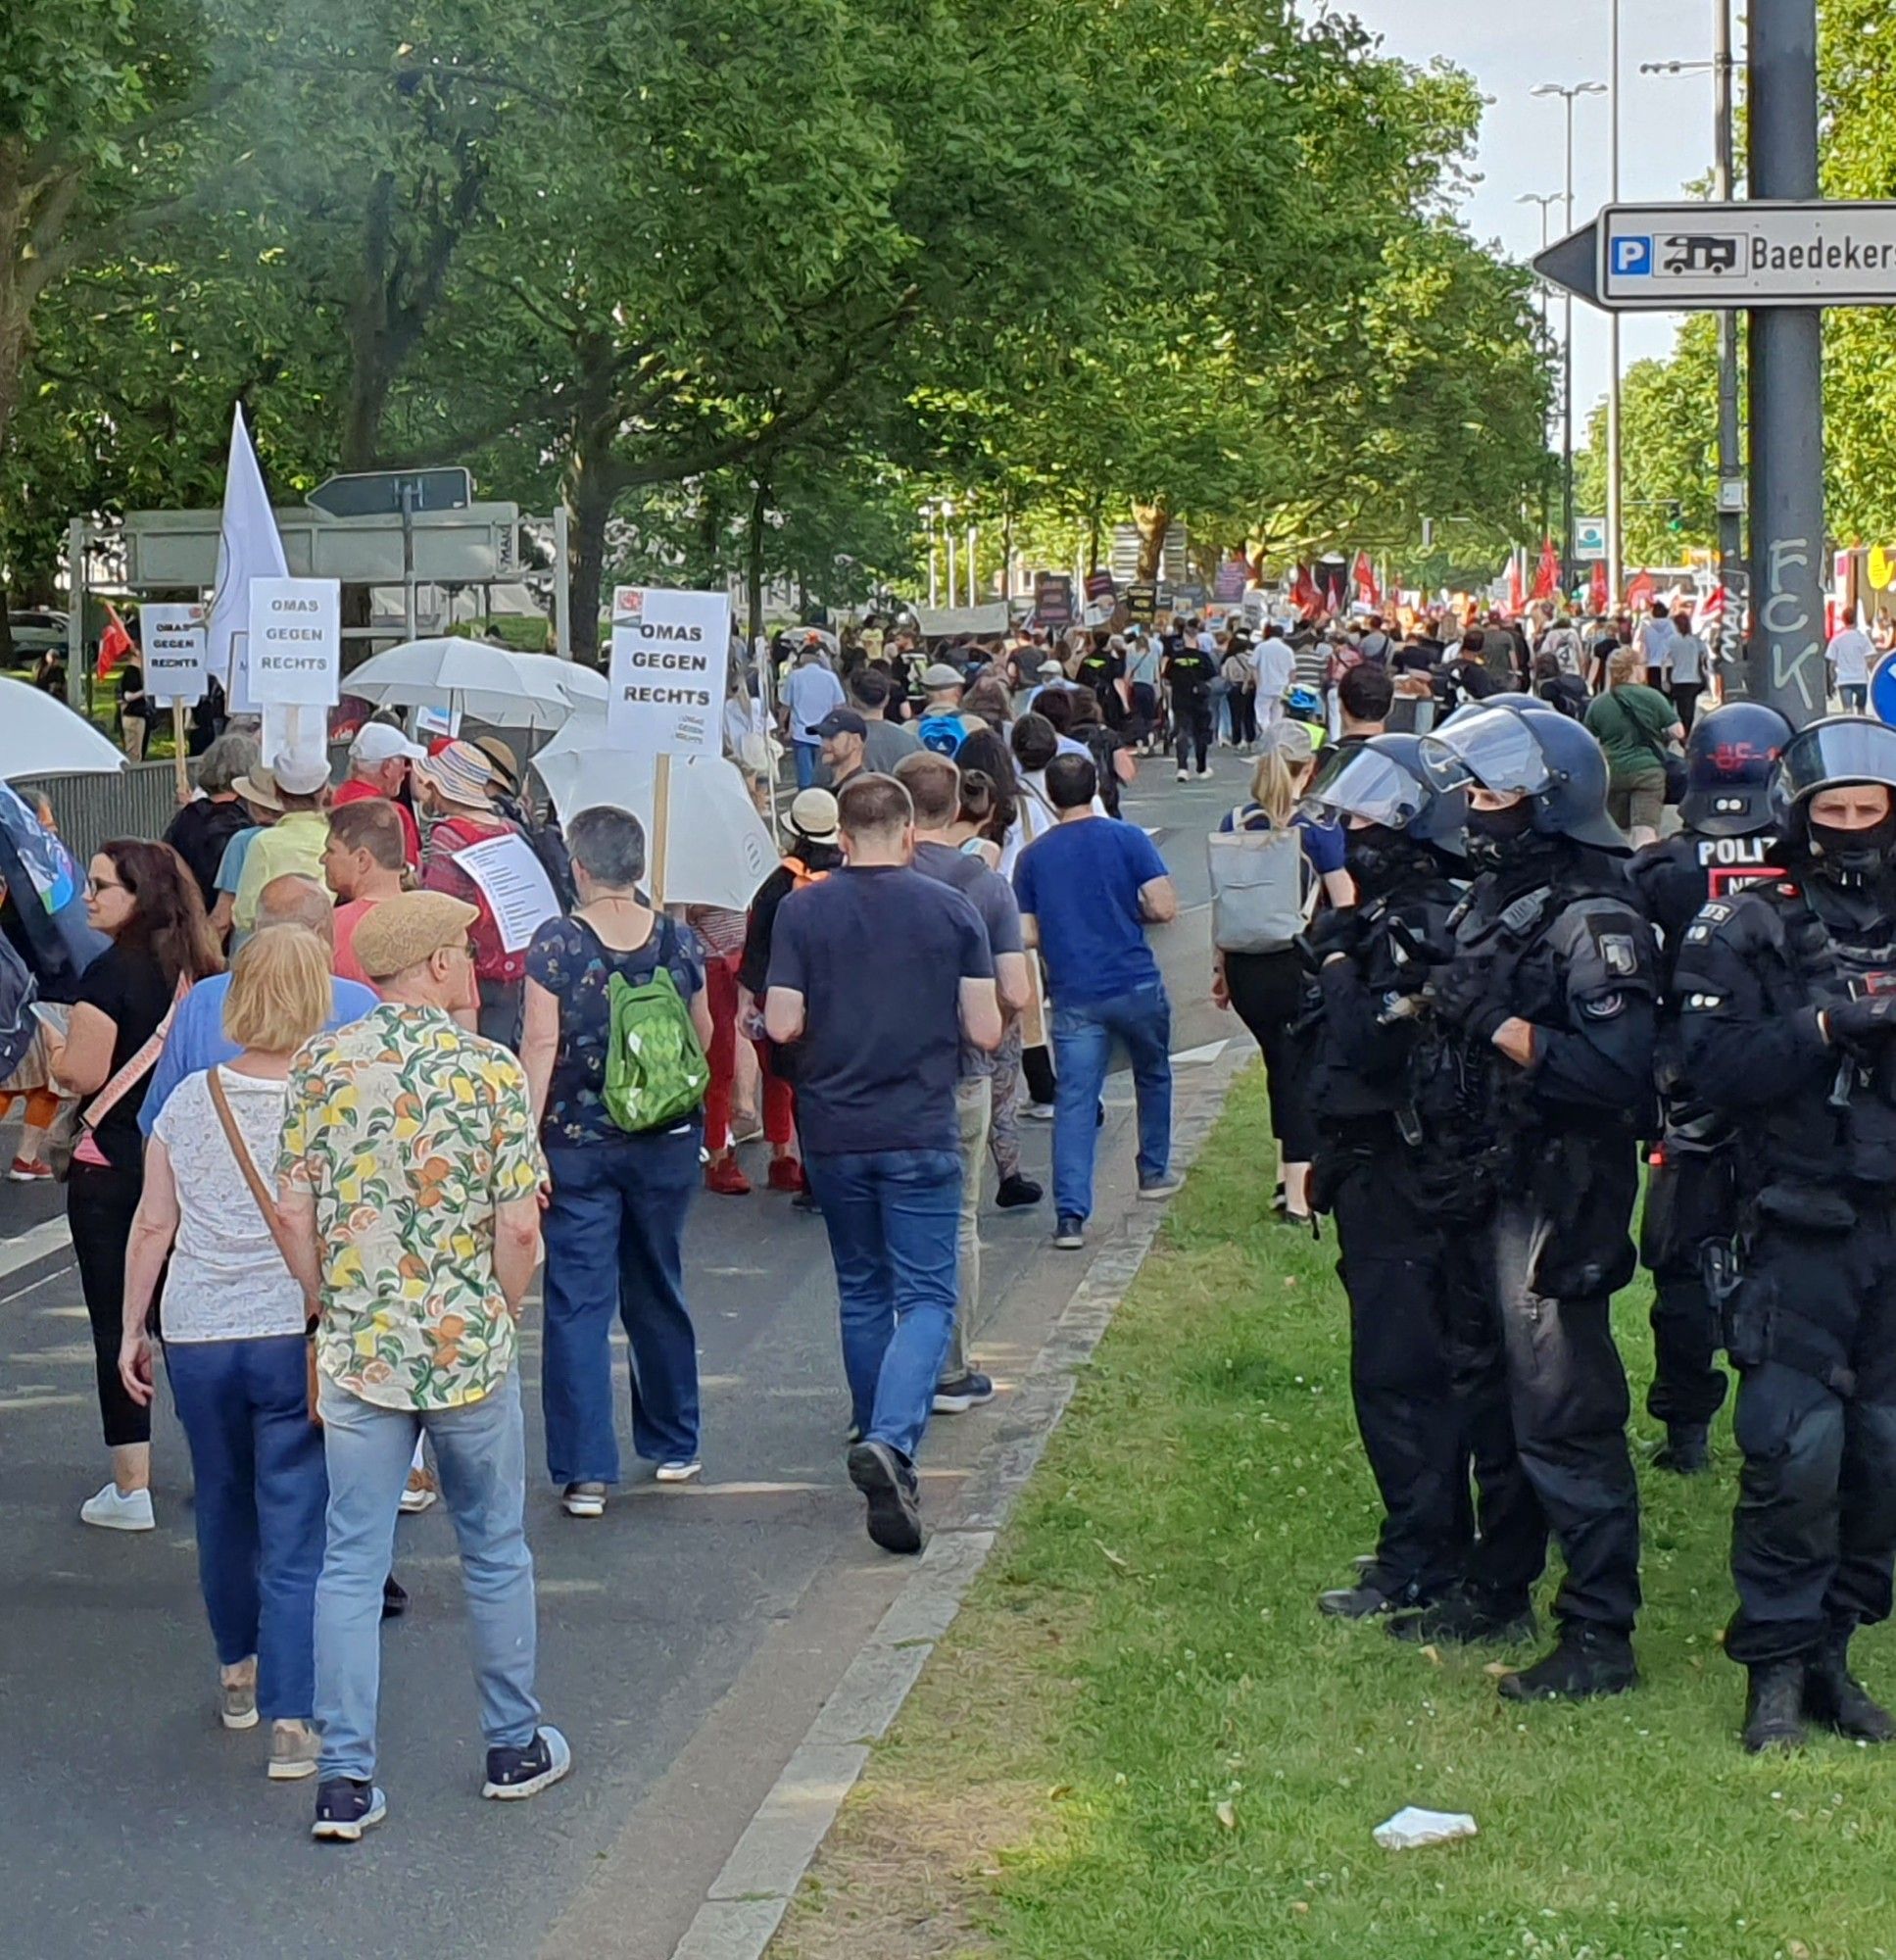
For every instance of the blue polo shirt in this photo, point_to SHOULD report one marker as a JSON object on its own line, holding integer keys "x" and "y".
{"x": 1082, "y": 881}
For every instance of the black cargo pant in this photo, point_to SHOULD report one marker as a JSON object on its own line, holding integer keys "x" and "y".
{"x": 1688, "y": 1202}
{"x": 1544, "y": 1406}
{"x": 1403, "y": 1273}
{"x": 1812, "y": 1331}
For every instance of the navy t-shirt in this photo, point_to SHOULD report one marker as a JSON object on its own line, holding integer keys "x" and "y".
{"x": 879, "y": 953}
{"x": 1081, "y": 881}
{"x": 993, "y": 897}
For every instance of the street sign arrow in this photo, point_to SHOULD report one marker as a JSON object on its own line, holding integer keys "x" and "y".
{"x": 1574, "y": 262}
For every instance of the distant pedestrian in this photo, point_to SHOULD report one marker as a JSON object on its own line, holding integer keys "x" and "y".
{"x": 1687, "y": 663}
{"x": 408, "y": 1186}
{"x": 1086, "y": 891}
{"x": 810, "y": 691}
{"x": 876, "y": 976}
{"x": 200, "y": 832}
{"x": 1636, "y": 724}
{"x": 1851, "y": 655}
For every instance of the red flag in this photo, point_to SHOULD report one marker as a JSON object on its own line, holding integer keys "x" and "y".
{"x": 1547, "y": 576}
{"x": 1516, "y": 600}
{"x": 1641, "y": 592}
{"x": 1596, "y": 592}
{"x": 1334, "y": 592}
{"x": 1367, "y": 589}
{"x": 1304, "y": 595}
{"x": 1710, "y": 616}
{"x": 115, "y": 644}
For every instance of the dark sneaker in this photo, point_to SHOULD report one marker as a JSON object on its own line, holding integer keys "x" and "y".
{"x": 1686, "y": 1451}
{"x": 1466, "y": 1618}
{"x": 965, "y": 1392}
{"x": 1367, "y": 1601}
{"x": 1018, "y": 1191}
{"x": 512, "y": 1773}
{"x": 395, "y": 1598}
{"x": 1834, "y": 1696}
{"x": 1070, "y": 1234}
{"x": 346, "y": 1808}
{"x": 1773, "y": 1707}
{"x": 889, "y": 1483}
{"x": 1585, "y": 1661}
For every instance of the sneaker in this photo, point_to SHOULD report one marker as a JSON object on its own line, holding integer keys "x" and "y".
{"x": 1367, "y": 1601}
{"x": 786, "y": 1174}
{"x": 1203, "y": 774}
{"x": 1465, "y": 1618}
{"x": 1773, "y": 1707}
{"x": 1686, "y": 1449}
{"x": 1038, "y": 1112}
{"x": 422, "y": 1491}
{"x": 746, "y": 1126}
{"x": 889, "y": 1483}
{"x": 963, "y": 1392}
{"x": 584, "y": 1500}
{"x": 1184, "y": 775}
{"x": 1070, "y": 1234}
{"x": 237, "y": 1696}
{"x": 28, "y": 1170}
{"x": 1585, "y": 1661}
{"x": 679, "y": 1470}
{"x": 346, "y": 1808}
{"x": 294, "y": 1747}
{"x": 114, "y": 1509}
{"x": 395, "y": 1598}
{"x": 1018, "y": 1191}
{"x": 1161, "y": 1189}
{"x": 726, "y": 1178}
{"x": 805, "y": 1201}
{"x": 513, "y": 1774}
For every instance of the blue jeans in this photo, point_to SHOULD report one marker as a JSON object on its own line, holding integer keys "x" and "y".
{"x": 1083, "y": 1038}
{"x": 615, "y": 1233}
{"x": 808, "y": 756}
{"x": 893, "y": 1218}
{"x": 257, "y": 1464}
{"x": 480, "y": 1457}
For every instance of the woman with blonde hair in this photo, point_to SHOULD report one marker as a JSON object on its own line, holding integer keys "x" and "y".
{"x": 1267, "y": 989}
{"x": 1636, "y": 724}
{"x": 235, "y": 1342}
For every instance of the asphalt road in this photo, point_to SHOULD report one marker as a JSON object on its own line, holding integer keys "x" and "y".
{"x": 684, "y": 1641}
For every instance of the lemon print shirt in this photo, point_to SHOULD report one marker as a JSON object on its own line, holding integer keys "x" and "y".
{"x": 410, "y": 1132}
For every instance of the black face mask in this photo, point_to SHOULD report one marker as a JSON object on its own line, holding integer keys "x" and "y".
{"x": 1378, "y": 860}
{"x": 1497, "y": 837}
{"x": 1847, "y": 857}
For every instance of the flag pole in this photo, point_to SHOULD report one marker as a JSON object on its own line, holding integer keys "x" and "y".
{"x": 177, "y": 752}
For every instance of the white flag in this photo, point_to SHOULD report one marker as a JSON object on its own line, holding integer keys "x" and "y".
{"x": 248, "y": 547}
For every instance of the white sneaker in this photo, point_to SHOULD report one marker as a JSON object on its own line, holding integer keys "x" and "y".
{"x": 1162, "y": 1188}
{"x": 1038, "y": 1112}
{"x": 678, "y": 1471}
{"x": 422, "y": 1491}
{"x": 1184, "y": 775}
{"x": 114, "y": 1509}
{"x": 584, "y": 1500}
{"x": 294, "y": 1752}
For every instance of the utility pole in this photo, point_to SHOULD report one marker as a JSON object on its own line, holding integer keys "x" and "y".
{"x": 1615, "y": 567}
{"x": 1730, "y": 473}
{"x": 1788, "y": 543}
{"x": 1547, "y": 201}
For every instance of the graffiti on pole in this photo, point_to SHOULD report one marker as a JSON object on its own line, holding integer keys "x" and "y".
{"x": 1792, "y": 635}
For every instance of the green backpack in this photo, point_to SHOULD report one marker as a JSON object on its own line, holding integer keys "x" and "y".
{"x": 655, "y": 1070}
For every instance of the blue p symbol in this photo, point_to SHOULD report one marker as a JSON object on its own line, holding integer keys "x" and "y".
{"x": 1632, "y": 257}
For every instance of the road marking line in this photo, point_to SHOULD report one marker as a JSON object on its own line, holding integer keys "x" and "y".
{"x": 51, "y": 1235}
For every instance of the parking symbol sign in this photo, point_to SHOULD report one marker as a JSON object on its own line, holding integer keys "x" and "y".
{"x": 1632, "y": 257}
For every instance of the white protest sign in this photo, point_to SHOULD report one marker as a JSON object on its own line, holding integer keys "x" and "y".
{"x": 294, "y": 654}
{"x": 515, "y": 886}
{"x": 669, "y": 651}
{"x": 437, "y": 721}
{"x": 174, "y": 640}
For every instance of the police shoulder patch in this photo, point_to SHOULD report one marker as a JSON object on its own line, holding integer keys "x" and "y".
{"x": 1621, "y": 956}
{"x": 1603, "y": 1006}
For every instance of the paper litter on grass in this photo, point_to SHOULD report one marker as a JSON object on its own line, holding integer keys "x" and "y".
{"x": 1412, "y": 1827}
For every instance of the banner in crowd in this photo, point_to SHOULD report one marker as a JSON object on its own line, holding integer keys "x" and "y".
{"x": 669, "y": 654}
{"x": 174, "y": 641}
{"x": 1054, "y": 598}
{"x": 1141, "y": 602}
{"x": 1100, "y": 588}
{"x": 295, "y": 642}
{"x": 248, "y": 548}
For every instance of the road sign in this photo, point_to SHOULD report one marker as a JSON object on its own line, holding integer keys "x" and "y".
{"x": 1692, "y": 257}
{"x": 382, "y": 493}
{"x": 1589, "y": 539}
{"x": 1883, "y": 690}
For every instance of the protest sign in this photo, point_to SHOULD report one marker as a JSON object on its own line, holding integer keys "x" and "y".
{"x": 173, "y": 643}
{"x": 1054, "y": 598}
{"x": 514, "y": 884}
{"x": 294, "y": 653}
{"x": 669, "y": 653}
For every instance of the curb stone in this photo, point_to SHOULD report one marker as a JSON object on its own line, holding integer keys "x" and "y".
{"x": 750, "y": 1895}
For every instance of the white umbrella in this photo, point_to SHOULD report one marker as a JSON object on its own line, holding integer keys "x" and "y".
{"x": 717, "y": 849}
{"x": 43, "y": 737}
{"x": 483, "y": 681}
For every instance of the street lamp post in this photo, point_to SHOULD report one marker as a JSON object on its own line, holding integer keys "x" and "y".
{"x": 1568, "y": 94}
{"x": 1546, "y": 203}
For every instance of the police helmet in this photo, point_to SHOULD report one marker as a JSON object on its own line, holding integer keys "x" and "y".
{"x": 1728, "y": 758}
{"x": 1383, "y": 781}
{"x": 1539, "y": 754}
{"x": 1844, "y": 748}
{"x": 1514, "y": 703}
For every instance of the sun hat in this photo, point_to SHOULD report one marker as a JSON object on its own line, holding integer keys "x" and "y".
{"x": 461, "y": 774}
{"x": 402, "y": 931}
{"x": 812, "y": 815}
{"x": 259, "y": 786}
{"x": 501, "y": 755}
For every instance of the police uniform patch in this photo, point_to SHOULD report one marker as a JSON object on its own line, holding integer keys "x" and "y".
{"x": 1621, "y": 956}
{"x": 1604, "y": 1007}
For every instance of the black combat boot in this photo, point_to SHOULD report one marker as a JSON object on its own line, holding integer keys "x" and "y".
{"x": 1834, "y": 1696}
{"x": 1373, "y": 1595}
{"x": 1585, "y": 1661}
{"x": 1686, "y": 1451}
{"x": 1466, "y": 1616}
{"x": 1773, "y": 1707}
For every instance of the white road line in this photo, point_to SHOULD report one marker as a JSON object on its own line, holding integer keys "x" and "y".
{"x": 34, "y": 1244}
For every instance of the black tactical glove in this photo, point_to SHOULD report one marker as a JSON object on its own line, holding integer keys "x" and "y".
{"x": 1339, "y": 929}
{"x": 1462, "y": 994}
{"x": 1850, "y": 1022}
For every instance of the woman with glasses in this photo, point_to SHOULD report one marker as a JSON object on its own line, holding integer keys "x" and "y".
{"x": 145, "y": 900}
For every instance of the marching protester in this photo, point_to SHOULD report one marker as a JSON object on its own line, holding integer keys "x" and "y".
{"x": 810, "y": 691}
{"x": 877, "y": 974}
{"x": 884, "y": 743}
{"x": 380, "y": 758}
{"x": 1636, "y": 724}
{"x": 457, "y": 790}
{"x": 292, "y": 846}
{"x": 141, "y": 896}
{"x": 363, "y": 861}
{"x": 616, "y": 979}
{"x": 1188, "y": 674}
{"x": 407, "y": 1183}
{"x": 203, "y": 829}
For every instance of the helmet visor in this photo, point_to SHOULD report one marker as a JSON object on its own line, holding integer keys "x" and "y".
{"x": 1362, "y": 784}
{"x": 1845, "y": 749}
{"x": 1495, "y": 751}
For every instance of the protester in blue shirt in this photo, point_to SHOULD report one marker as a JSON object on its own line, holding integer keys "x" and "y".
{"x": 197, "y": 1039}
{"x": 1087, "y": 889}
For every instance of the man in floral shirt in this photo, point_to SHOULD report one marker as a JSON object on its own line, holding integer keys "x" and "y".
{"x": 409, "y": 1187}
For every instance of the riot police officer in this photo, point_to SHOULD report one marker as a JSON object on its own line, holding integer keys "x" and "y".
{"x": 1787, "y": 1005}
{"x": 1387, "y": 1170}
{"x": 1727, "y": 841}
{"x": 1553, "y": 988}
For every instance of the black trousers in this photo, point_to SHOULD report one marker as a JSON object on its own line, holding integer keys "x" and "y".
{"x": 1403, "y": 1271}
{"x": 1813, "y": 1330}
{"x": 1191, "y": 729}
{"x": 1036, "y": 1066}
{"x": 99, "y": 1206}
{"x": 1267, "y": 995}
{"x": 1243, "y": 713}
{"x": 1541, "y": 1373}
{"x": 1688, "y": 1202}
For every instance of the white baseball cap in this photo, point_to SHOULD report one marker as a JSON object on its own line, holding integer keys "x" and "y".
{"x": 382, "y": 742}
{"x": 300, "y": 776}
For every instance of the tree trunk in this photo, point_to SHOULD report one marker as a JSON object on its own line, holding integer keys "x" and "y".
{"x": 591, "y": 513}
{"x": 1095, "y": 525}
{"x": 1153, "y": 521}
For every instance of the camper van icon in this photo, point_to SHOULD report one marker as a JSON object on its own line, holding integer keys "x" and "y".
{"x": 1695, "y": 252}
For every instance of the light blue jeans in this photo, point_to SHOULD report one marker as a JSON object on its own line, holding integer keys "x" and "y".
{"x": 481, "y": 1456}
{"x": 1082, "y": 1039}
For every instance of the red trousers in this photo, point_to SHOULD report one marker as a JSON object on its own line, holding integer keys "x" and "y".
{"x": 779, "y": 1099}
